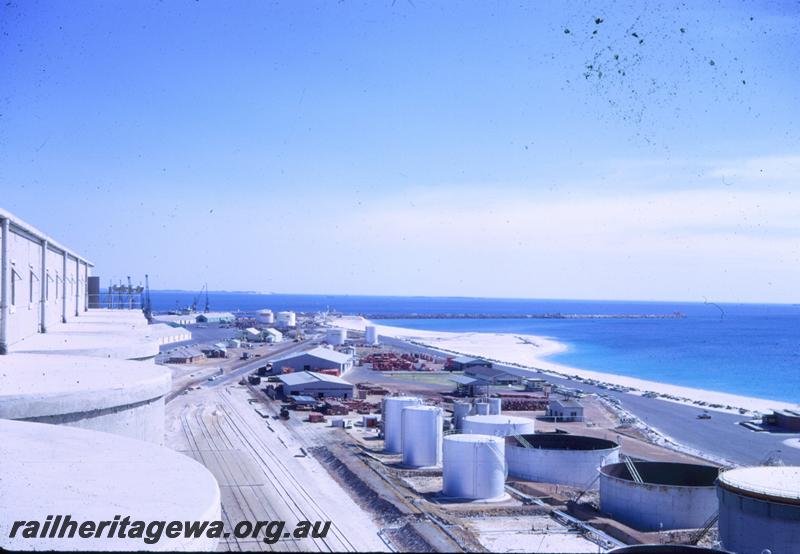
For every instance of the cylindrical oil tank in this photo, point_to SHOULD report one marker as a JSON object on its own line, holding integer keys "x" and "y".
{"x": 422, "y": 436}
{"x": 460, "y": 411}
{"x": 482, "y": 408}
{"x": 265, "y": 316}
{"x": 393, "y": 422}
{"x": 473, "y": 467}
{"x": 670, "y": 496}
{"x": 666, "y": 549}
{"x": 498, "y": 425}
{"x": 286, "y": 319}
{"x": 371, "y": 334}
{"x": 336, "y": 336}
{"x": 759, "y": 509}
{"x": 560, "y": 458}
{"x": 495, "y": 406}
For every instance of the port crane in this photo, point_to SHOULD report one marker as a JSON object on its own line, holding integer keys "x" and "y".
{"x": 197, "y": 298}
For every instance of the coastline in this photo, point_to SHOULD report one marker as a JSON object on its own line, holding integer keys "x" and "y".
{"x": 529, "y": 352}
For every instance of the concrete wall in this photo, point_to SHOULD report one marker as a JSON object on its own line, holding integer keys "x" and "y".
{"x": 750, "y": 525}
{"x": 24, "y": 257}
{"x": 143, "y": 420}
{"x": 576, "y": 468}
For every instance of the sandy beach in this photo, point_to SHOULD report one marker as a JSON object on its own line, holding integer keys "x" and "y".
{"x": 530, "y": 352}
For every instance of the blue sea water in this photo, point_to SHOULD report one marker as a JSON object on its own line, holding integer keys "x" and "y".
{"x": 748, "y": 349}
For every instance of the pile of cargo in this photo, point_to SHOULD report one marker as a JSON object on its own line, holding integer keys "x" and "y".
{"x": 368, "y": 388}
{"x": 522, "y": 403}
{"x": 316, "y": 417}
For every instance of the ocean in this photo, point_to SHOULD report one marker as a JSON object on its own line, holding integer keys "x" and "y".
{"x": 746, "y": 349}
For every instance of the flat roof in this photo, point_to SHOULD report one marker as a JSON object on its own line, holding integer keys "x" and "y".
{"x": 464, "y": 380}
{"x": 467, "y": 359}
{"x": 568, "y": 403}
{"x": 781, "y": 483}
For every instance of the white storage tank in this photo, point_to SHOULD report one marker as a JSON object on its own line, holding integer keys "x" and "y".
{"x": 371, "y": 335}
{"x": 473, "y": 467}
{"x": 460, "y": 411}
{"x": 392, "y": 421}
{"x": 422, "y": 436}
{"x": 759, "y": 509}
{"x": 670, "y": 496}
{"x": 265, "y": 317}
{"x": 336, "y": 336}
{"x": 285, "y": 320}
{"x": 498, "y": 425}
{"x": 559, "y": 458}
{"x": 482, "y": 408}
{"x": 495, "y": 406}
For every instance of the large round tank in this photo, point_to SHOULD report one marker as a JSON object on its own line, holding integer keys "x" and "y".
{"x": 498, "y": 425}
{"x": 460, "y": 411}
{"x": 336, "y": 336}
{"x": 371, "y": 334}
{"x": 759, "y": 509}
{"x": 286, "y": 319}
{"x": 495, "y": 406}
{"x": 473, "y": 467}
{"x": 392, "y": 421}
{"x": 421, "y": 436}
{"x": 482, "y": 408}
{"x": 560, "y": 458}
{"x": 671, "y": 496}
{"x": 265, "y": 316}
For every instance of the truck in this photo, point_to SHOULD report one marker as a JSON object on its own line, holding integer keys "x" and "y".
{"x": 245, "y": 356}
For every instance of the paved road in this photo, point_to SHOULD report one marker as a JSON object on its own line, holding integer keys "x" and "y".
{"x": 720, "y": 436}
{"x": 255, "y": 363}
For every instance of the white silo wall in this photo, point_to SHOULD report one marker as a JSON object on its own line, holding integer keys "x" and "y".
{"x": 574, "y": 463}
{"x": 265, "y": 316}
{"x": 336, "y": 336}
{"x": 495, "y": 406}
{"x": 498, "y": 425}
{"x": 473, "y": 467}
{"x": 482, "y": 408}
{"x": 421, "y": 436}
{"x": 286, "y": 319}
{"x": 393, "y": 422}
{"x": 371, "y": 334}
{"x": 460, "y": 411}
{"x": 759, "y": 509}
{"x": 653, "y": 505}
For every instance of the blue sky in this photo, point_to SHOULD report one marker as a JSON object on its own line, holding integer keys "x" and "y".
{"x": 525, "y": 149}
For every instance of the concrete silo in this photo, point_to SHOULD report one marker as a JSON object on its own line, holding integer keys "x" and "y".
{"x": 559, "y": 458}
{"x": 498, "y": 425}
{"x": 474, "y": 467}
{"x": 666, "y": 496}
{"x": 482, "y": 408}
{"x": 371, "y": 335}
{"x": 336, "y": 336}
{"x": 460, "y": 411}
{"x": 421, "y": 436}
{"x": 392, "y": 421}
{"x": 759, "y": 509}
{"x": 495, "y": 406}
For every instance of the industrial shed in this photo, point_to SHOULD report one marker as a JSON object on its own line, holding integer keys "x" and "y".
{"x": 492, "y": 375}
{"x": 313, "y": 360}
{"x": 316, "y": 385}
{"x": 565, "y": 410}
{"x": 469, "y": 386}
{"x": 216, "y": 317}
{"x": 185, "y": 355}
{"x": 462, "y": 363}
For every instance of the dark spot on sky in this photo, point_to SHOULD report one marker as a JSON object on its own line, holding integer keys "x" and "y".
{"x": 711, "y": 62}
{"x": 566, "y": 31}
{"x": 598, "y": 21}
{"x": 683, "y": 30}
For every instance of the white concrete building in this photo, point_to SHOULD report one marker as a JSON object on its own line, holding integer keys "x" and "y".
{"x": 565, "y": 410}
{"x": 81, "y": 422}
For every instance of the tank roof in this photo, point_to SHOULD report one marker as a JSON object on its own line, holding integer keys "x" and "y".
{"x": 472, "y": 438}
{"x": 665, "y": 473}
{"x": 498, "y": 419}
{"x": 422, "y": 408}
{"x": 779, "y": 483}
{"x": 563, "y": 441}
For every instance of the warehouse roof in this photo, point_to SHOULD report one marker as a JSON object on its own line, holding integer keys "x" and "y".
{"x": 185, "y": 352}
{"x": 306, "y": 377}
{"x": 464, "y": 380}
{"x": 468, "y": 360}
{"x": 567, "y": 403}
{"x": 318, "y": 352}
